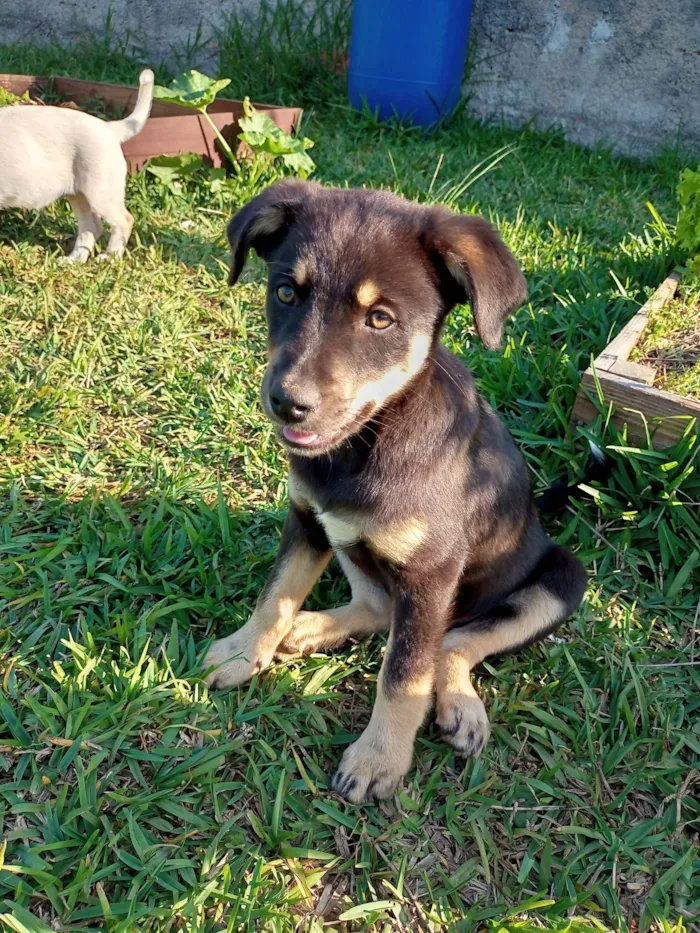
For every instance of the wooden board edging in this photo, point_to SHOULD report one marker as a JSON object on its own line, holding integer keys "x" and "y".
{"x": 643, "y": 407}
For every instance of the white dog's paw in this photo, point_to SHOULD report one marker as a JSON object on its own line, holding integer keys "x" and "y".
{"x": 78, "y": 256}
{"x": 108, "y": 257}
{"x": 463, "y": 722}
{"x": 235, "y": 660}
{"x": 370, "y": 770}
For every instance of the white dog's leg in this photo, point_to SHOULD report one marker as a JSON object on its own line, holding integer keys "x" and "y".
{"x": 104, "y": 185}
{"x": 108, "y": 202}
{"x": 121, "y": 223}
{"x": 89, "y": 229}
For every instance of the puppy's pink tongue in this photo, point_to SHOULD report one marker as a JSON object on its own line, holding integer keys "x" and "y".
{"x": 303, "y": 438}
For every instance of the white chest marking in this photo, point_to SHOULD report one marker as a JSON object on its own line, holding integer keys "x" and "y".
{"x": 395, "y": 542}
{"x": 341, "y": 532}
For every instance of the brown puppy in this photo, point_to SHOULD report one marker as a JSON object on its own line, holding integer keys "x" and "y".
{"x": 397, "y": 465}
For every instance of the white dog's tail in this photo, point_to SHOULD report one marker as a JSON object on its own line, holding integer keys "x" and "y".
{"x": 135, "y": 122}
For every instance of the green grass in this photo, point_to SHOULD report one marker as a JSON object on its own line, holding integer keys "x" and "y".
{"x": 671, "y": 342}
{"x": 143, "y": 498}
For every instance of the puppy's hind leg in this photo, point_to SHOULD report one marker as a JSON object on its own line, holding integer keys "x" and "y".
{"x": 89, "y": 229}
{"x": 552, "y": 593}
{"x": 105, "y": 191}
{"x": 121, "y": 223}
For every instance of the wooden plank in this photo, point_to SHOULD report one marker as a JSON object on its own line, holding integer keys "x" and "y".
{"x": 621, "y": 347}
{"x": 637, "y": 372}
{"x": 192, "y": 133}
{"x": 120, "y": 95}
{"x": 635, "y": 405}
{"x": 636, "y": 402}
{"x": 18, "y": 84}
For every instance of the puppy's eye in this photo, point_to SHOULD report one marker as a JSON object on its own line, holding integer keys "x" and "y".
{"x": 286, "y": 294}
{"x": 379, "y": 320}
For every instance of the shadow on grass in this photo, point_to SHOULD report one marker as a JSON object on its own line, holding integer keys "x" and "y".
{"x": 55, "y": 232}
{"x": 140, "y": 562}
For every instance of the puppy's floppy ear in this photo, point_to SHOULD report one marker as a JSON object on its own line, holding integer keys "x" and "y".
{"x": 263, "y": 222}
{"x": 473, "y": 263}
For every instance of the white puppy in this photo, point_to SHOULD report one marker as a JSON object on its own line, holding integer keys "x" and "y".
{"x": 48, "y": 153}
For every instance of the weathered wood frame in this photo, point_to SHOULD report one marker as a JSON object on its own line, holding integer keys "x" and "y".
{"x": 644, "y": 408}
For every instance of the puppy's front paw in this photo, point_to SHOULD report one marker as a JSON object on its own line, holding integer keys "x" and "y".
{"x": 370, "y": 770}
{"x": 306, "y": 636}
{"x": 463, "y": 722}
{"x": 235, "y": 660}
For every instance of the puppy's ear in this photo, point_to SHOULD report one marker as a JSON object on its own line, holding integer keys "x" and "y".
{"x": 264, "y": 222}
{"x": 473, "y": 263}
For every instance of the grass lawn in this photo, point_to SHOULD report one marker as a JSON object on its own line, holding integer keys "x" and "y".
{"x": 142, "y": 499}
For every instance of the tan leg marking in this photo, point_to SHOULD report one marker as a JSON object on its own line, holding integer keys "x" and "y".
{"x": 319, "y": 631}
{"x": 374, "y": 765}
{"x": 251, "y": 649}
{"x": 397, "y": 543}
{"x": 369, "y": 611}
{"x": 459, "y": 712}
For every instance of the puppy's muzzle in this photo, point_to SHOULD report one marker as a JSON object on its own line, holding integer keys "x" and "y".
{"x": 293, "y": 403}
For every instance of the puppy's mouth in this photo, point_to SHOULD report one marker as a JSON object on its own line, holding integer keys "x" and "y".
{"x": 309, "y": 441}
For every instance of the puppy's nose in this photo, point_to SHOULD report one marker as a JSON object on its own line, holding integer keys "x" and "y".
{"x": 293, "y": 404}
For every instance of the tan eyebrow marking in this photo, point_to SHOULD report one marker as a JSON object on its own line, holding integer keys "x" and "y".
{"x": 367, "y": 293}
{"x": 301, "y": 273}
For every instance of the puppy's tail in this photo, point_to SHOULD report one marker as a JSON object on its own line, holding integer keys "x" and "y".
{"x": 135, "y": 122}
{"x": 557, "y": 496}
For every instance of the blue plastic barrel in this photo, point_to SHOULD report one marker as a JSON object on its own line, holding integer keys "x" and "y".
{"x": 407, "y": 56}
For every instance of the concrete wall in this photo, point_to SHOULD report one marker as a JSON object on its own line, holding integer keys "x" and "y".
{"x": 625, "y": 72}
{"x": 163, "y": 29}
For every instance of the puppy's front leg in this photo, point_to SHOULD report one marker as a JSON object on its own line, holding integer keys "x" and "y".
{"x": 374, "y": 765}
{"x": 89, "y": 229}
{"x": 303, "y": 554}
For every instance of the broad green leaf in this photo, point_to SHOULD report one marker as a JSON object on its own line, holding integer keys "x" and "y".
{"x": 170, "y": 169}
{"x": 191, "y": 89}
{"x": 300, "y": 163}
{"x": 7, "y": 98}
{"x": 263, "y": 135}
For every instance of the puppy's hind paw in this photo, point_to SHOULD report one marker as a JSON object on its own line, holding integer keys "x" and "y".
{"x": 463, "y": 722}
